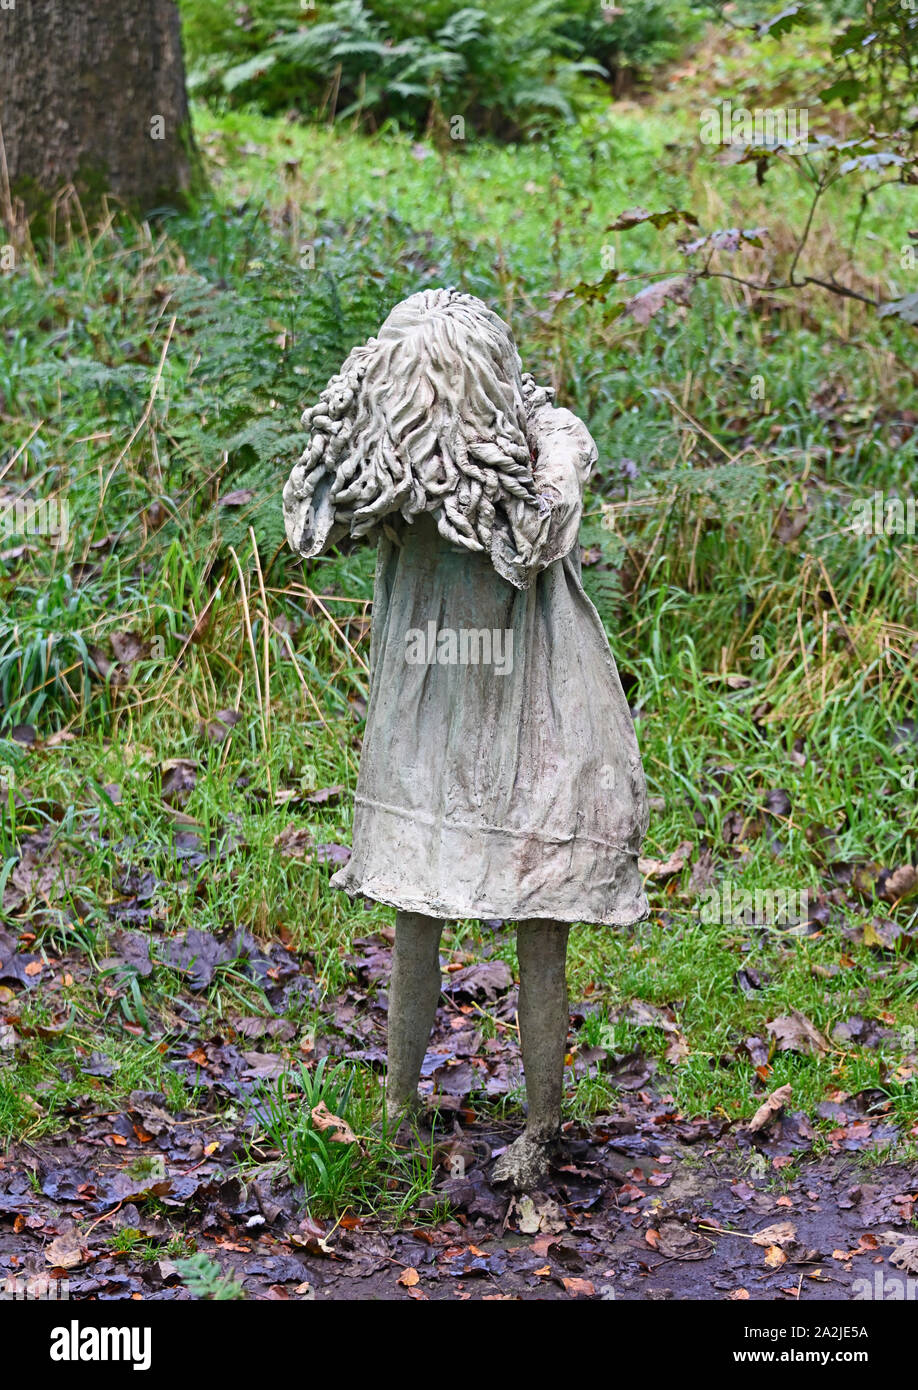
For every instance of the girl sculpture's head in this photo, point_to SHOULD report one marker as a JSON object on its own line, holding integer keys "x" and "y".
{"x": 429, "y": 416}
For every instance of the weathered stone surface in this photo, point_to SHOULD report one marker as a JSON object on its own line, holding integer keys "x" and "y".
{"x": 500, "y": 774}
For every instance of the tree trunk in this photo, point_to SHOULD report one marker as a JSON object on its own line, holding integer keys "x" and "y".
{"x": 92, "y": 92}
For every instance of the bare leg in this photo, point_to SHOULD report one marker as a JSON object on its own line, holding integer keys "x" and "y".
{"x": 543, "y": 1015}
{"x": 414, "y": 989}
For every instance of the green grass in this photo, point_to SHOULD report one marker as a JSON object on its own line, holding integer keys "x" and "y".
{"x": 147, "y": 372}
{"x": 129, "y": 1241}
{"x": 370, "y": 1172}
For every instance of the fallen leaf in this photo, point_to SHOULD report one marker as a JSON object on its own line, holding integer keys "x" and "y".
{"x": 781, "y": 1233}
{"x": 294, "y": 842}
{"x": 678, "y": 1242}
{"x": 666, "y": 868}
{"x": 324, "y": 794}
{"x": 65, "y": 1251}
{"x": 532, "y": 1217}
{"x": 901, "y": 883}
{"x": 794, "y": 1032}
{"x": 324, "y": 1120}
{"x": 770, "y": 1108}
{"x": 905, "y": 1255}
{"x": 483, "y": 981}
{"x": 579, "y": 1286}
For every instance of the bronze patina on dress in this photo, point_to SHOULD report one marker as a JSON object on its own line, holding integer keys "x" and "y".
{"x": 500, "y": 774}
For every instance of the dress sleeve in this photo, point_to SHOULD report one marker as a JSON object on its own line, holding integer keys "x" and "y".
{"x": 309, "y": 516}
{"x": 565, "y": 456}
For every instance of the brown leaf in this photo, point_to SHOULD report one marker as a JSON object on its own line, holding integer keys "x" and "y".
{"x": 651, "y": 300}
{"x": 537, "y": 1213}
{"x": 905, "y": 1255}
{"x": 702, "y": 874}
{"x": 408, "y": 1278}
{"x": 645, "y": 1015}
{"x": 294, "y": 842}
{"x": 310, "y": 1235}
{"x": 633, "y": 217}
{"x": 770, "y": 1108}
{"x": 178, "y": 778}
{"x": 678, "y": 1242}
{"x": 323, "y": 1119}
{"x": 726, "y": 239}
{"x": 129, "y": 647}
{"x": 794, "y": 1032}
{"x": 781, "y": 1233}
{"x": 901, "y": 883}
{"x": 482, "y": 981}
{"x": 323, "y": 795}
{"x": 65, "y": 1251}
{"x": 792, "y": 522}
{"x": 665, "y": 868}
{"x": 264, "y": 1065}
{"x": 579, "y": 1286}
{"x": 221, "y": 726}
{"x": 677, "y": 1051}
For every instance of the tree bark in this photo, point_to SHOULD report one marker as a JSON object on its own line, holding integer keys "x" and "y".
{"x": 92, "y": 92}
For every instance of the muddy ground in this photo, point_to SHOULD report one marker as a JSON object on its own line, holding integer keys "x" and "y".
{"x": 642, "y": 1203}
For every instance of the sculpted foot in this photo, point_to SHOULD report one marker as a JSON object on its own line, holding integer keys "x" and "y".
{"x": 407, "y": 1111}
{"x": 525, "y": 1163}
{"x": 541, "y": 946}
{"x": 405, "y": 1118}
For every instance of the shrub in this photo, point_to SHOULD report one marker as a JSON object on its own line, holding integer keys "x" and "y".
{"x": 631, "y": 36}
{"x": 509, "y": 69}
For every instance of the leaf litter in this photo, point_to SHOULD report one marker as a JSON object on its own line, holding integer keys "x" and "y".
{"x": 640, "y": 1202}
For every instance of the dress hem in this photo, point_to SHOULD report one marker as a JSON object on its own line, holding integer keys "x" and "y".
{"x": 623, "y": 917}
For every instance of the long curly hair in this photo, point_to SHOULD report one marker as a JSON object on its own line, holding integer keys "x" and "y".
{"x": 429, "y": 416}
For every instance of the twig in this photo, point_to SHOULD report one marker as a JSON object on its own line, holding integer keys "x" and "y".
{"x": 22, "y": 448}
{"x": 148, "y": 408}
{"x": 353, "y": 651}
{"x": 243, "y": 590}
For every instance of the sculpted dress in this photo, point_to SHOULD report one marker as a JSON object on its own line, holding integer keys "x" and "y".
{"x": 511, "y": 788}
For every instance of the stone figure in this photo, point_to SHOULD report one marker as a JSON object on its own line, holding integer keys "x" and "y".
{"x": 500, "y": 775}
